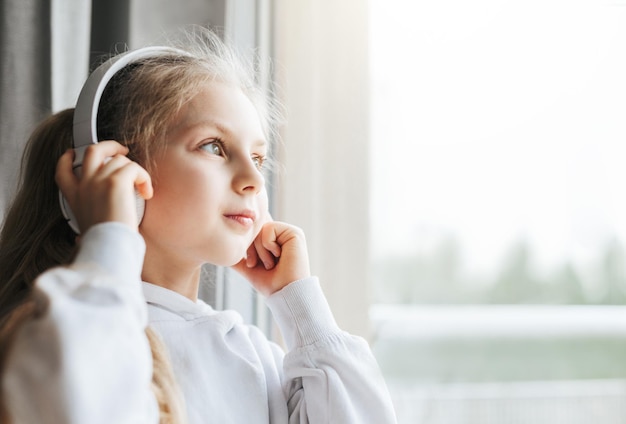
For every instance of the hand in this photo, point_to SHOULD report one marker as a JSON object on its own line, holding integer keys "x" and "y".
{"x": 278, "y": 256}
{"x": 104, "y": 191}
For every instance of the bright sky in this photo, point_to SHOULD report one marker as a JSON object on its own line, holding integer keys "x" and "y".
{"x": 497, "y": 120}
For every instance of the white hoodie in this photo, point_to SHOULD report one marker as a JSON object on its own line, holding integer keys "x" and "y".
{"x": 88, "y": 360}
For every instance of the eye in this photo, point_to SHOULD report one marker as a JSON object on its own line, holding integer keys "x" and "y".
{"x": 213, "y": 147}
{"x": 258, "y": 161}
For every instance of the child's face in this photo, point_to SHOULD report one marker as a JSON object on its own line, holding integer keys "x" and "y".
{"x": 209, "y": 193}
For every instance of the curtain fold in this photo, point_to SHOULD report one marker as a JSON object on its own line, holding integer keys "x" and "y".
{"x": 25, "y": 83}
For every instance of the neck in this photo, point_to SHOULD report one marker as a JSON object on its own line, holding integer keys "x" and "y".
{"x": 173, "y": 274}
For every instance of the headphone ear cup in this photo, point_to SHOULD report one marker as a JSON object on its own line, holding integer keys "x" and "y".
{"x": 140, "y": 206}
{"x": 68, "y": 214}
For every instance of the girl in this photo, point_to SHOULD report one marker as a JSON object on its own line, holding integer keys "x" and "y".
{"x": 107, "y": 327}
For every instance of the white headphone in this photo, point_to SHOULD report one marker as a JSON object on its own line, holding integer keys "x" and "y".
{"x": 86, "y": 114}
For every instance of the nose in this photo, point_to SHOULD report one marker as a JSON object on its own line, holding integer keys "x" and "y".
{"x": 248, "y": 178}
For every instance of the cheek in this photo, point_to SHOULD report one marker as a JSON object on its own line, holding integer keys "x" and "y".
{"x": 171, "y": 198}
{"x": 263, "y": 210}
{"x": 263, "y": 204}
{"x": 182, "y": 181}
{"x": 181, "y": 194}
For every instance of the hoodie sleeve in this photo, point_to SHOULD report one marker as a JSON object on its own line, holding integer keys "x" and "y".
{"x": 86, "y": 359}
{"x": 330, "y": 376}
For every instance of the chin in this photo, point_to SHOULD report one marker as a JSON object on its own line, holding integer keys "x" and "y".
{"x": 225, "y": 249}
{"x": 224, "y": 262}
{"x": 228, "y": 260}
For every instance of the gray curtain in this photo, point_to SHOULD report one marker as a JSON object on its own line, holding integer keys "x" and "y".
{"x": 41, "y": 39}
{"x": 25, "y": 96}
{"x": 110, "y": 26}
{"x": 30, "y": 30}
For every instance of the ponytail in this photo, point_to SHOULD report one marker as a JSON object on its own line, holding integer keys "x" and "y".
{"x": 36, "y": 237}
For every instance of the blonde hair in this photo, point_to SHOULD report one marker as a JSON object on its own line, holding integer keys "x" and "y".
{"x": 153, "y": 91}
{"x": 137, "y": 109}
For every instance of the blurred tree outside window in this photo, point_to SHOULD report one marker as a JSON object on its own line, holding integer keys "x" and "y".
{"x": 498, "y": 209}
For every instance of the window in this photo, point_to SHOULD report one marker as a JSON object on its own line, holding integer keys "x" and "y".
{"x": 498, "y": 209}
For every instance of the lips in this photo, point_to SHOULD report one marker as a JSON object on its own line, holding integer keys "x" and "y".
{"x": 245, "y": 218}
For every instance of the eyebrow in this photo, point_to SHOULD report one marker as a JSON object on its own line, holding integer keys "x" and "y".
{"x": 224, "y": 129}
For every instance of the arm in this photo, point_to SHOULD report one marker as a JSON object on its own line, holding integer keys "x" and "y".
{"x": 329, "y": 375}
{"x": 87, "y": 359}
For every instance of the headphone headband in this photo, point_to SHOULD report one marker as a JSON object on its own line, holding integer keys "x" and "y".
{"x": 86, "y": 111}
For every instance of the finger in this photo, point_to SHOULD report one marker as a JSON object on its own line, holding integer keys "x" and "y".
{"x": 264, "y": 255}
{"x": 252, "y": 258}
{"x": 110, "y": 165}
{"x": 140, "y": 177}
{"x": 97, "y": 153}
{"x": 266, "y": 247}
{"x": 269, "y": 238}
{"x": 132, "y": 171}
{"x": 64, "y": 176}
